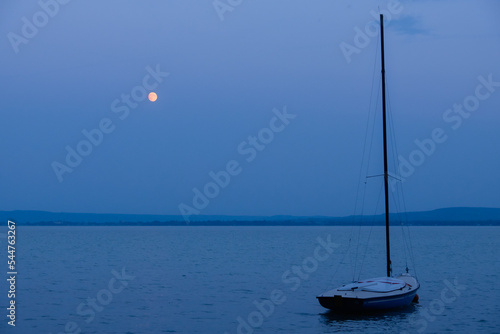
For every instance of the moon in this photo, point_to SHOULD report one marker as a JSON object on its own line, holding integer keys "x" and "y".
{"x": 152, "y": 96}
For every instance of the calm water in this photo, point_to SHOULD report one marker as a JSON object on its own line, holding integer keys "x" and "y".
{"x": 203, "y": 279}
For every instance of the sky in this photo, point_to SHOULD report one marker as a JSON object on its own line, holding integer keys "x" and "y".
{"x": 262, "y": 109}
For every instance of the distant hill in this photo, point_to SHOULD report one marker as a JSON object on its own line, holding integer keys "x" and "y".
{"x": 445, "y": 216}
{"x": 460, "y": 214}
{"x": 457, "y": 214}
{"x": 34, "y": 217}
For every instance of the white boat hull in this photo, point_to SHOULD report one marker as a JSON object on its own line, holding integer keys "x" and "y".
{"x": 358, "y": 300}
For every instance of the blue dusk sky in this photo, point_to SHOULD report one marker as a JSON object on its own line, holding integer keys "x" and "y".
{"x": 262, "y": 106}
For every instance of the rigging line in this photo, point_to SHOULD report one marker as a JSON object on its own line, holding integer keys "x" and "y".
{"x": 394, "y": 150}
{"x": 363, "y": 159}
{"x": 359, "y": 229}
{"x": 401, "y": 193}
{"x": 408, "y": 230}
{"x": 339, "y": 264}
{"x": 404, "y": 224}
{"x": 370, "y": 232}
{"x": 406, "y": 239}
{"x": 410, "y": 243}
{"x": 350, "y": 250}
{"x": 342, "y": 261}
{"x": 375, "y": 78}
{"x": 405, "y": 244}
{"x": 354, "y": 263}
{"x": 347, "y": 250}
{"x": 355, "y": 255}
{"x": 394, "y": 147}
{"x": 398, "y": 198}
{"x": 359, "y": 236}
{"x": 412, "y": 255}
{"x": 375, "y": 107}
{"x": 373, "y": 130}
{"x": 368, "y": 124}
{"x": 405, "y": 234}
{"x": 367, "y": 165}
{"x": 399, "y": 218}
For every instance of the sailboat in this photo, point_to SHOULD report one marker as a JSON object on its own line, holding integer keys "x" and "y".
{"x": 381, "y": 293}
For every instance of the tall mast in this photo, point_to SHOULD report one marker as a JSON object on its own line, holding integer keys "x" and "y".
{"x": 386, "y": 174}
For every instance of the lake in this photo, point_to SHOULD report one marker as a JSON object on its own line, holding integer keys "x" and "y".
{"x": 243, "y": 279}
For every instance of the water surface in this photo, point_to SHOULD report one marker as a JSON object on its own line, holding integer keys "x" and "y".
{"x": 221, "y": 279}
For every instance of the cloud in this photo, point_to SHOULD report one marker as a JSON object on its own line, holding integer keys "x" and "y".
{"x": 409, "y": 25}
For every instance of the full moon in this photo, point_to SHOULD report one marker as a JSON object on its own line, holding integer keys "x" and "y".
{"x": 152, "y": 96}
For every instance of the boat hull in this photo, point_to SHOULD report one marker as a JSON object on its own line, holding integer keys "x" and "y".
{"x": 375, "y": 294}
{"x": 349, "y": 304}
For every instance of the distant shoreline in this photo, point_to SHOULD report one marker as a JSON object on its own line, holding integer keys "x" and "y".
{"x": 260, "y": 223}
{"x": 460, "y": 216}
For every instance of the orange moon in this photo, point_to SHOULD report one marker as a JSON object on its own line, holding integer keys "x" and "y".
{"x": 152, "y": 96}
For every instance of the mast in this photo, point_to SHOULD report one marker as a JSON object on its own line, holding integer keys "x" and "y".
{"x": 386, "y": 174}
